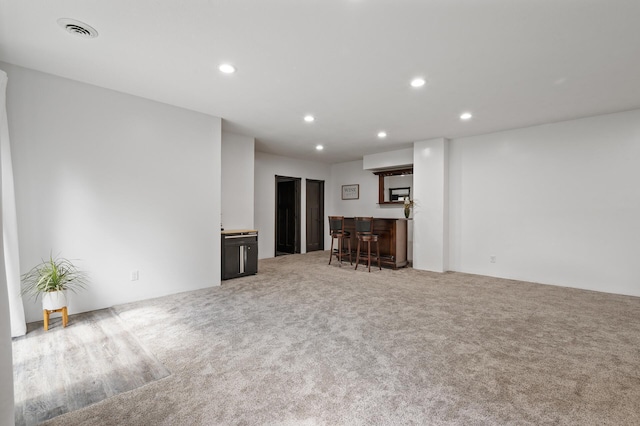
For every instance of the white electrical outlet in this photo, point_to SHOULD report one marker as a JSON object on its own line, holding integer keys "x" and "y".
{"x": 135, "y": 275}
{"x": 492, "y": 259}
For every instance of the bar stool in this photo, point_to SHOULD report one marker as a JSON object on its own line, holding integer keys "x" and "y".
{"x": 364, "y": 233}
{"x": 336, "y": 230}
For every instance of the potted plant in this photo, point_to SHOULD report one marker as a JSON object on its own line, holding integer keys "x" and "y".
{"x": 51, "y": 279}
{"x": 407, "y": 206}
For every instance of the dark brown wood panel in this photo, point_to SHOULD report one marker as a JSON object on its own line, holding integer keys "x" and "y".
{"x": 315, "y": 215}
{"x": 288, "y": 190}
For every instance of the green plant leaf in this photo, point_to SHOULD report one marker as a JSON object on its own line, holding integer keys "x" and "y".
{"x": 54, "y": 274}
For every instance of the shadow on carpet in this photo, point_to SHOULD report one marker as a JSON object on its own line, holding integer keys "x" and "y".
{"x": 64, "y": 369}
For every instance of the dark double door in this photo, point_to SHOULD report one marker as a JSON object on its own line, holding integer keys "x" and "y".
{"x": 288, "y": 214}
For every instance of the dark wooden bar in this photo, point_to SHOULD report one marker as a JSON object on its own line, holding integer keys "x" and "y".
{"x": 392, "y": 238}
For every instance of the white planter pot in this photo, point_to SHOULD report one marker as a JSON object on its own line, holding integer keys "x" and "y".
{"x": 53, "y": 300}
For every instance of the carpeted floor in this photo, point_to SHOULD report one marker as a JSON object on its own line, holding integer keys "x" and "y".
{"x": 65, "y": 369}
{"x": 307, "y": 343}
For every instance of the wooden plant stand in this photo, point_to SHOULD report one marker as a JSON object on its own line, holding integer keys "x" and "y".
{"x": 65, "y": 317}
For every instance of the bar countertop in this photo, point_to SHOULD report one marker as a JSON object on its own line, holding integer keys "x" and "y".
{"x": 381, "y": 218}
{"x": 239, "y": 231}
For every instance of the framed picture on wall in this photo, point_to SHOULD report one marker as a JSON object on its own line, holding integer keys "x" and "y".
{"x": 350, "y": 192}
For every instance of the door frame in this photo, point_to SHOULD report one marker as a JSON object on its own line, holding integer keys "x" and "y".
{"x": 298, "y": 196}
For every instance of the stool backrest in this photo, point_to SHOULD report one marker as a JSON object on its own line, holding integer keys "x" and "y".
{"x": 364, "y": 225}
{"x": 336, "y": 224}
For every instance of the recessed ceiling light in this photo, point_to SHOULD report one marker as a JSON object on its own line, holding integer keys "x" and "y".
{"x": 465, "y": 116}
{"x": 382, "y": 135}
{"x": 418, "y": 82}
{"x": 227, "y": 68}
{"x": 309, "y": 118}
{"x": 319, "y": 147}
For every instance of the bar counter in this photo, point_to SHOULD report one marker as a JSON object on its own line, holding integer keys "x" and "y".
{"x": 392, "y": 237}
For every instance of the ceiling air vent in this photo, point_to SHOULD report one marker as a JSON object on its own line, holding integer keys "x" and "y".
{"x": 77, "y": 28}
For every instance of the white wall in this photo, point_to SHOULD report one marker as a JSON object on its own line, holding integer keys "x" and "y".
{"x": 238, "y": 154}
{"x": 389, "y": 159}
{"x": 119, "y": 182}
{"x": 267, "y": 167}
{"x": 367, "y": 205}
{"x": 556, "y": 204}
{"x": 351, "y": 173}
{"x": 431, "y": 213}
{"x": 7, "y": 416}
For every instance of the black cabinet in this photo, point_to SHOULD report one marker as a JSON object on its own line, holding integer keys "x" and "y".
{"x": 239, "y": 254}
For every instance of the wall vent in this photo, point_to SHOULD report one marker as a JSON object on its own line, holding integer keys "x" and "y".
{"x": 78, "y": 28}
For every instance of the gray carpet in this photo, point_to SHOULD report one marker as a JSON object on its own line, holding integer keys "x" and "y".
{"x": 65, "y": 369}
{"x": 307, "y": 343}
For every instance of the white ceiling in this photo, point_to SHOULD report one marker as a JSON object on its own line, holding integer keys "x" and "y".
{"x": 512, "y": 63}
